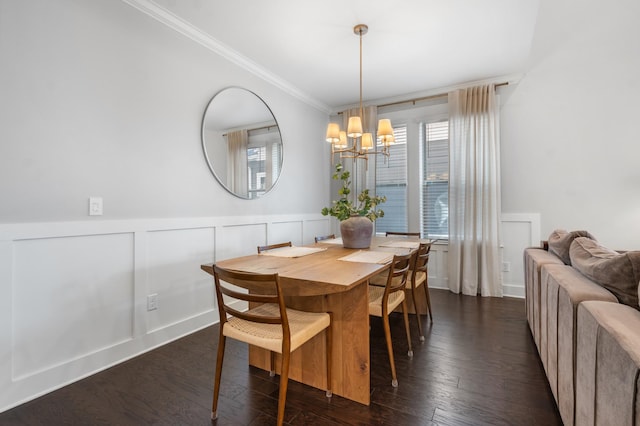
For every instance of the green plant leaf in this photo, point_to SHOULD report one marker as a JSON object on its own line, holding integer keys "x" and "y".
{"x": 343, "y": 208}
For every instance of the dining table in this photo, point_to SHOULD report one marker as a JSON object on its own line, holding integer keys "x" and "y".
{"x": 326, "y": 277}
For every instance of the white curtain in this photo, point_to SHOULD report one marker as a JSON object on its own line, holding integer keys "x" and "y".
{"x": 238, "y": 166}
{"x": 474, "y": 192}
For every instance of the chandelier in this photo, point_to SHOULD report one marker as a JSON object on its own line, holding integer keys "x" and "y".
{"x": 354, "y": 143}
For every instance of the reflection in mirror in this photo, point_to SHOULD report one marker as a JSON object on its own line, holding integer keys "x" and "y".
{"x": 242, "y": 143}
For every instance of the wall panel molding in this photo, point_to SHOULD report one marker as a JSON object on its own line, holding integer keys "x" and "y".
{"x": 154, "y": 255}
{"x": 81, "y": 289}
{"x": 519, "y": 231}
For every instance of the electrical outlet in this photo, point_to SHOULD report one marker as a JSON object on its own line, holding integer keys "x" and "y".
{"x": 506, "y": 266}
{"x": 152, "y": 302}
{"x": 95, "y": 206}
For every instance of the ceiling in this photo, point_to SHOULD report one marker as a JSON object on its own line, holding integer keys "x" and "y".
{"x": 413, "y": 47}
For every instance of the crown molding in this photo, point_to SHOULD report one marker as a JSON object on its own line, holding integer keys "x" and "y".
{"x": 162, "y": 15}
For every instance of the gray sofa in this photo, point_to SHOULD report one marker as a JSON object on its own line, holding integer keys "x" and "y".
{"x": 588, "y": 341}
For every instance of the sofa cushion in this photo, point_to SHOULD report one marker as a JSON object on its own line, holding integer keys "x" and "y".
{"x": 607, "y": 364}
{"x": 534, "y": 258}
{"x": 560, "y": 243}
{"x": 617, "y": 272}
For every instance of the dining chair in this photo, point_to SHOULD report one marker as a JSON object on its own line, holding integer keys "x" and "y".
{"x": 383, "y": 300}
{"x": 404, "y": 234}
{"x": 325, "y": 237}
{"x": 419, "y": 276}
{"x": 381, "y": 279}
{"x": 268, "y": 324}
{"x": 273, "y": 246}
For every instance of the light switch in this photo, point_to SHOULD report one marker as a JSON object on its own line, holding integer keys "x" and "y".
{"x": 95, "y": 206}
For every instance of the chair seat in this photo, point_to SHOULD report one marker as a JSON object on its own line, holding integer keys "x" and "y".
{"x": 375, "y": 300}
{"x": 303, "y": 326}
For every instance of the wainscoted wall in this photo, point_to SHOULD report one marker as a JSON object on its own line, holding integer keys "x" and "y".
{"x": 73, "y": 295}
{"x": 519, "y": 230}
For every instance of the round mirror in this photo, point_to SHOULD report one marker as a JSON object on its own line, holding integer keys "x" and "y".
{"x": 242, "y": 143}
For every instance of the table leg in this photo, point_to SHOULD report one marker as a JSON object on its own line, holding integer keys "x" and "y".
{"x": 351, "y": 364}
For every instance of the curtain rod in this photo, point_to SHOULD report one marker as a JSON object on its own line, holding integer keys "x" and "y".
{"x": 426, "y": 98}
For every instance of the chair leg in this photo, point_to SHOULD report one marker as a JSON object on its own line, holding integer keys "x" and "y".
{"x": 426, "y": 292}
{"x": 272, "y": 368}
{"x": 387, "y": 336}
{"x": 406, "y": 327}
{"x": 284, "y": 381}
{"x": 415, "y": 306}
{"x": 216, "y": 385}
{"x": 329, "y": 336}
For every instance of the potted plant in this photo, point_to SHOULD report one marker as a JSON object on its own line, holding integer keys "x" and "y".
{"x": 356, "y": 220}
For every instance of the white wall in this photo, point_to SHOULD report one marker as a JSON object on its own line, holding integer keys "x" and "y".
{"x": 99, "y": 99}
{"x": 570, "y": 128}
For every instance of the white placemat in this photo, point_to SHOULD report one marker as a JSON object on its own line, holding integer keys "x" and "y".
{"x": 331, "y": 241}
{"x": 369, "y": 256}
{"x": 292, "y": 251}
{"x": 402, "y": 244}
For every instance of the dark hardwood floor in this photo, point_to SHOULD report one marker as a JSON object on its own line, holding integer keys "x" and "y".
{"x": 478, "y": 366}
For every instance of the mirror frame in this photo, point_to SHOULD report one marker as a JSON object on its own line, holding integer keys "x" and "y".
{"x": 204, "y": 144}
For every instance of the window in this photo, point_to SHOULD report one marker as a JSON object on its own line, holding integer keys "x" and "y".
{"x": 421, "y": 149}
{"x": 391, "y": 181}
{"x": 435, "y": 179}
{"x": 256, "y": 169}
{"x": 262, "y": 174}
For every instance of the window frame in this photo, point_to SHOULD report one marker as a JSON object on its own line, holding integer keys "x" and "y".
{"x": 434, "y": 109}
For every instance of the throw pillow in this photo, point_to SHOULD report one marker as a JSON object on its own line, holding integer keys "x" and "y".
{"x": 617, "y": 272}
{"x": 560, "y": 242}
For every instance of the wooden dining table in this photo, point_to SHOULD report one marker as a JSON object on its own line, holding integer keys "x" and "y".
{"x": 324, "y": 282}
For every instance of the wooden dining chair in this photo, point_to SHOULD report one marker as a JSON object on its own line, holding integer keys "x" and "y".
{"x": 273, "y": 246}
{"x": 268, "y": 324}
{"x": 419, "y": 276}
{"x": 381, "y": 279}
{"x": 383, "y": 300}
{"x": 325, "y": 237}
{"x": 404, "y": 234}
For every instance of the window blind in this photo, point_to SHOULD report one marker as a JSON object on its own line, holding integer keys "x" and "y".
{"x": 391, "y": 181}
{"x": 435, "y": 179}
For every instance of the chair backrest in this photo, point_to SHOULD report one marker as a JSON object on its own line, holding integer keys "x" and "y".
{"x": 421, "y": 259}
{"x": 404, "y": 234}
{"x": 273, "y": 246}
{"x": 325, "y": 237}
{"x": 268, "y": 287}
{"x": 398, "y": 273}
